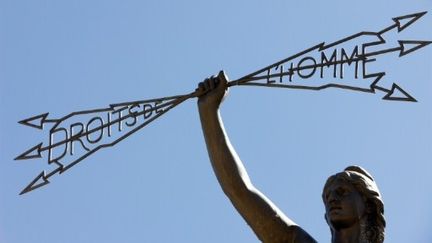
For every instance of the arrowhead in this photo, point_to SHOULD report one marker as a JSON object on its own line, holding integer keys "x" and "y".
{"x": 404, "y": 21}
{"x": 39, "y": 181}
{"x": 397, "y": 93}
{"x": 35, "y": 121}
{"x": 408, "y": 46}
{"x": 34, "y": 152}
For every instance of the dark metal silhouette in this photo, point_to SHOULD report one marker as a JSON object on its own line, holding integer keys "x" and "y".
{"x": 293, "y": 72}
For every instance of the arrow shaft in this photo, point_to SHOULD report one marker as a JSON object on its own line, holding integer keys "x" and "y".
{"x": 387, "y": 29}
{"x": 381, "y": 88}
{"x": 59, "y": 169}
{"x": 340, "y": 86}
{"x": 177, "y": 102}
{"x": 147, "y": 101}
{"x": 136, "y": 114}
{"x": 291, "y": 70}
{"x": 348, "y": 39}
{"x": 280, "y": 62}
{"x": 243, "y": 80}
{"x": 376, "y": 53}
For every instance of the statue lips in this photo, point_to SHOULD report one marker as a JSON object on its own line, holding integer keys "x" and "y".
{"x": 335, "y": 209}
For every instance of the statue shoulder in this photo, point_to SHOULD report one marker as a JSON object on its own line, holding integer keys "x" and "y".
{"x": 296, "y": 235}
{"x": 301, "y": 236}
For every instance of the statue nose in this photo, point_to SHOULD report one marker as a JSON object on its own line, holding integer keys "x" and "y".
{"x": 333, "y": 197}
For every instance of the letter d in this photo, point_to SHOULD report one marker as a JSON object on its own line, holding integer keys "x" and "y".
{"x": 51, "y": 157}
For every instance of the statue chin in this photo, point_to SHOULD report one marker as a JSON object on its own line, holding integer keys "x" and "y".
{"x": 339, "y": 224}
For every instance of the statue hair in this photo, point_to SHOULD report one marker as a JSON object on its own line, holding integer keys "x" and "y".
{"x": 372, "y": 231}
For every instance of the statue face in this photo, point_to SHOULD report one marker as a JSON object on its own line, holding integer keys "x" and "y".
{"x": 344, "y": 204}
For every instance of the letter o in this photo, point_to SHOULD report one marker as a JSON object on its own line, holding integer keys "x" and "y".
{"x": 100, "y": 128}
{"x": 299, "y": 68}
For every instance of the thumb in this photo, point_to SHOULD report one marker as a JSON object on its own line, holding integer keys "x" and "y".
{"x": 223, "y": 77}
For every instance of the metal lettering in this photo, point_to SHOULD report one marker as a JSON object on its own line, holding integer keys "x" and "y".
{"x": 51, "y": 142}
{"x": 300, "y": 64}
{"x": 348, "y": 60}
{"x": 76, "y": 137}
{"x": 100, "y": 129}
{"x": 329, "y": 63}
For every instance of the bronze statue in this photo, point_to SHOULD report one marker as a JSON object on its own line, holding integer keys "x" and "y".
{"x": 354, "y": 209}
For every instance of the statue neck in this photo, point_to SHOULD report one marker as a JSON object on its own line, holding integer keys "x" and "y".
{"x": 348, "y": 235}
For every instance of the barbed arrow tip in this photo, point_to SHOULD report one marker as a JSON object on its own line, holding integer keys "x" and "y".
{"x": 403, "y": 22}
{"x": 408, "y": 46}
{"x": 39, "y": 181}
{"x": 397, "y": 93}
{"x": 34, "y": 152}
{"x": 35, "y": 121}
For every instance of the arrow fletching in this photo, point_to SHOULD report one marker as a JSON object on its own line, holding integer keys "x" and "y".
{"x": 408, "y": 46}
{"x": 35, "y": 121}
{"x": 39, "y": 181}
{"x": 34, "y": 152}
{"x": 403, "y": 22}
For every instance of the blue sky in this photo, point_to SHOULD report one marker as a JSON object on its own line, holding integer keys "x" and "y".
{"x": 158, "y": 185}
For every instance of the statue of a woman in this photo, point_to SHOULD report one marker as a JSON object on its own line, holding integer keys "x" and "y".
{"x": 354, "y": 209}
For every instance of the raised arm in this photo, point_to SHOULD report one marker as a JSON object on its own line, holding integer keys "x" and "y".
{"x": 266, "y": 220}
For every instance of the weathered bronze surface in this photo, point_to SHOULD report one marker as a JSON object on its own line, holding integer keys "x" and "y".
{"x": 354, "y": 209}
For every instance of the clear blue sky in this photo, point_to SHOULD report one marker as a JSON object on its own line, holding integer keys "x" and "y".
{"x": 158, "y": 185}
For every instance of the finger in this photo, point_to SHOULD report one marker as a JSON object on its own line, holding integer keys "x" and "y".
{"x": 212, "y": 82}
{"x": 223, "y": 77}
{"x": 200, "y": 87}
{"x": 206, "y": 84}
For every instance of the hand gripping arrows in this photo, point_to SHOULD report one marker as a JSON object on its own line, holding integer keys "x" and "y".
{"x": 75, "y": 136}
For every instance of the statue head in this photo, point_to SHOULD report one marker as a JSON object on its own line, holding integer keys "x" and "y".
{"x": 352, "y": 199}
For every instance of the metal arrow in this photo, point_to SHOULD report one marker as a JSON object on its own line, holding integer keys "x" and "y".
{"x": 105, "y": 127}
